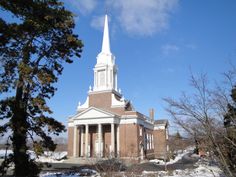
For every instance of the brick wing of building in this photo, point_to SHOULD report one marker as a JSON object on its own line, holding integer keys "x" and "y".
{"x": 107, "y": 124}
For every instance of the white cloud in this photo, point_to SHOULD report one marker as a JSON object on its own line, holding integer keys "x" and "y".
{"x": 84, "y": 6}
{"x": 97, "y": 22}
{"x": 169, "y": 48}
{"x": 143, "y": 17}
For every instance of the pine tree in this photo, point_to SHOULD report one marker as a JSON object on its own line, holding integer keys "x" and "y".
{"x": 178, "y": 136}
{"x": 32, "y": 52}
{"x": 230, "y": 125}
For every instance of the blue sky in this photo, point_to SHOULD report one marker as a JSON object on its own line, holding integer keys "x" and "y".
{"x": 156, "y": 44}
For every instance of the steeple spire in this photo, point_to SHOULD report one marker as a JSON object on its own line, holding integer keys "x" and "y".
{"x": 105, "y": 70}
{"x": 106, "y": 40}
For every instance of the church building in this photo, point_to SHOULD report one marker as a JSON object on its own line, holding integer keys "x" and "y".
{"x": 107, "y": 125}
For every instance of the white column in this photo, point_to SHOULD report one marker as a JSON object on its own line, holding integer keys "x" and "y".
{"x": 149, "y": 142}
{"x": 152, "y": 142}
{"x": 81, "y": 141}
{"x": 75, "y": 141}
{"x": 111, "y": 80}
{"x": 95, "y": 79}
{"x": 116, "y": 82}
{"x": 100, "y": 140}
{"x": 113, "y": 138}
{"x": 118, "y": 140}
{"x": 86, "y": 139}
{"x": 106, "y": 78}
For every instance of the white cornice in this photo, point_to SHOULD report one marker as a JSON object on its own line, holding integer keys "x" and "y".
{"x": 105, "y": 91}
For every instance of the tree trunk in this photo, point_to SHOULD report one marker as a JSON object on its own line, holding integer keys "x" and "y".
{"x": 19, "y": 128}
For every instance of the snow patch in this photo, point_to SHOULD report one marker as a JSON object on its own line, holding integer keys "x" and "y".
{"x": 200, "y": 171}
{"x": 82, "y": 172}
{"x": 47, "y": 156}
{"x": 172, "y": 161}
{"x": 3, "y": 153}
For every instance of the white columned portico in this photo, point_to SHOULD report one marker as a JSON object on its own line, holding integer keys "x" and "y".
{"x": 75, "y": 141}
{"x": 86, "y": 139}
{"x": 113, "y": 138}
{"x": 81, "y": 141}
{"x": 100, "y": 140}
{"x": 118, "y": 140}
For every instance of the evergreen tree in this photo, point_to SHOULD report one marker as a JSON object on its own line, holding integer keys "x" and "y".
{"x": 32, "y": 52}
{"x": 178, "y": 136}
{"x": 230, "y": 125}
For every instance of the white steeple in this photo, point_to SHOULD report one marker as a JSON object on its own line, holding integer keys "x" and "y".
{"x": 106, "y": 40}
{"x": 105, "y": 71}
{"x": 105, "y": 56}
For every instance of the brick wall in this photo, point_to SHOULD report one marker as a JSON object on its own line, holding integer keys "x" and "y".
{"x": 129, "y": 140}
{"x": 160, "y": 144}
{"x": 101, "y": 100}
{"x": 70, "y": 141}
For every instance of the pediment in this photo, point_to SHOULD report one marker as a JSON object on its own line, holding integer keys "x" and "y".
{"x": 92, "y": 113}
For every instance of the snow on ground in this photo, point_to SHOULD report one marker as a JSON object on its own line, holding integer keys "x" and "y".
{"x": 56, "y": 174}
{"x": 82, "y": 172}
{"x": 179, "y": 156}
{"x": 3, "y": 153}
{"x": 201, "y": 171}
{"x": 48, "y": 156}
{"x": 54, "y": 157}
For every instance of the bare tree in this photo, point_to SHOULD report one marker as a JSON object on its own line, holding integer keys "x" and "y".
{"x": 201, "y": 115}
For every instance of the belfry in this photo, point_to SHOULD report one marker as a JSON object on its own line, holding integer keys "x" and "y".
{"x": 107, "y": 124}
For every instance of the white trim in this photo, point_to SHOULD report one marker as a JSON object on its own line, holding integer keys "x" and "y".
{"x": 93, "y": 116}
{"x": 101, "y": 112}
{"x": 83, "y": 106}
{"x": 107, "y": 118}
{"x": 117, "y": 103}
{"x": 111, "y": 119}
{"x": 160, "y": 127}
{"x": 105, "y": 91}
{"x": 132, "y": 120}
{"x": 94, "y": 121}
